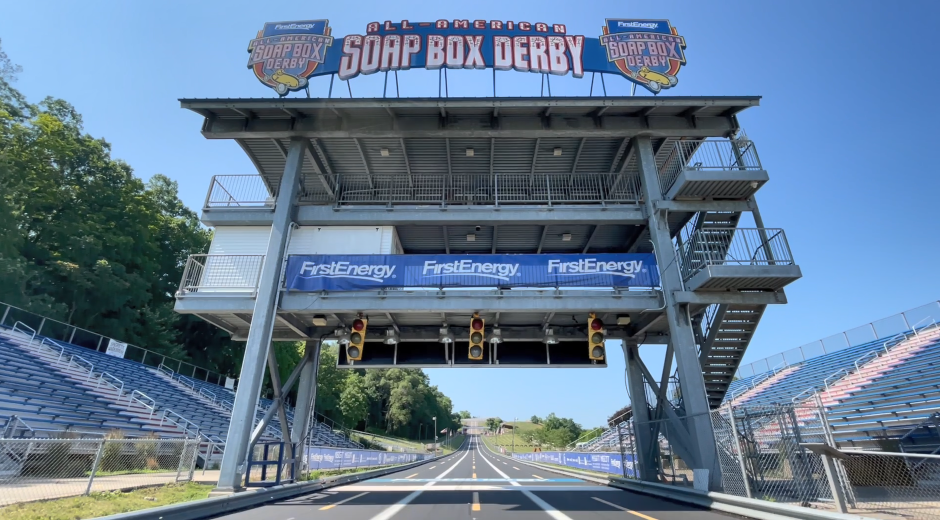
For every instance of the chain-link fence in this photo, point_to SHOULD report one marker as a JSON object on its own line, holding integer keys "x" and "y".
{"x": 41, "y": 469}
{"x": 787, "y": 454}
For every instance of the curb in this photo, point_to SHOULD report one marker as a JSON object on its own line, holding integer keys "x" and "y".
{"x": 215, "y": 506}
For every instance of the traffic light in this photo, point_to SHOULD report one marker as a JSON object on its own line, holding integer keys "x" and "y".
{"x": 357, "y": 339}
{"x": 595, "y": 338}
{"x": 477, "y": 337}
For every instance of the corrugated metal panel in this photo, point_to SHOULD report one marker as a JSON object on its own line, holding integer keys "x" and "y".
{"x": 610, "y": 238}
{"x": 478, "y": 164}
{"x": 518, "y": 239}
{"x": 240, "y": 240}
{"x": 421, "y": 239}
{"x": 459, "y": 243}
{"x": 548, "y": 162}
{"x": 427, "y": 156}
{"x": 513, "y": 156}
{"x": 555, "y": 243}
{"x": 597, "y": 155}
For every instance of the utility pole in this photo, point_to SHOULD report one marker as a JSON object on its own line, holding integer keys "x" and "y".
{"x": 513, "y": 450}
{"x": 435, "y": 434}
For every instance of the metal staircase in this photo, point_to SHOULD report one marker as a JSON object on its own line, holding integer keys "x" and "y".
{"x": 725, "y": 330}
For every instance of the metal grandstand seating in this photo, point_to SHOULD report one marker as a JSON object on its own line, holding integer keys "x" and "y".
{"x": 875, "y": 391}
{"x": 116, "y": 393}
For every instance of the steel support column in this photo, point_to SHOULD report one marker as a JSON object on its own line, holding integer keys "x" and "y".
{"x": 262, "y": 325}
{"x": 306, "y": 397}
{"x": 697, "y": 417}
{"x": 647, "y": 449}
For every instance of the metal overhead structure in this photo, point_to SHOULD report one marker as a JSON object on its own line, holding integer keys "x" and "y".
{"x": 499, "y": 176}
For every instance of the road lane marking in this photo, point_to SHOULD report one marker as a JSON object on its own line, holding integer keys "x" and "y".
{"x": 432, "y": 467}
{"x": 476, "y": 501}
{"x": 538, "y": 477}
{"x": 552, "y": 512}
{"x": 395, "y": 508}
{"x": 474, "y": 476}
{"x": 413, "y": 474}
{"x": 632, "y": 512}
{"x": 515, "y": 468}
{"x": 341, "y": 502}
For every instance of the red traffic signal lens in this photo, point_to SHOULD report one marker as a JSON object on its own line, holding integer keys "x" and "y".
{"x": 597, "y": 324}
{"x": 359, "y": 325}
{"x": 476, "y": 324}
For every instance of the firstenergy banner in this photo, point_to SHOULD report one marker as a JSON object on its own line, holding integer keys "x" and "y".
{"x": 365, "y": 272}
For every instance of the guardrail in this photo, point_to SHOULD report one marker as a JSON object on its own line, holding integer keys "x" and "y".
{"x": 734, "y": 246}
{"x": 239, "y": 191}
{"x": 708, "y": 154}
{"x": 221, "y": 274}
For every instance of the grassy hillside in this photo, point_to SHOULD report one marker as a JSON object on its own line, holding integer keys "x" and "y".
{"x": 506, "y": 439}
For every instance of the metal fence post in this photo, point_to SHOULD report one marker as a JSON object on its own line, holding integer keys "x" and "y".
{"x": 737, "y": 445}
{"x": 837, "y": 496}
{"x": 94, "y": 467}
{"x": 623, "y": 454}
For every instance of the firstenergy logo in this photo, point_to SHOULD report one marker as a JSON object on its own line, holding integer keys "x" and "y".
{"x": 589, "y": 266}
{"x": 370, "y": 272}
{"x": 467, "y": 267}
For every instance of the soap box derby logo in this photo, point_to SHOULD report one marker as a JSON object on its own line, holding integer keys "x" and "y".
{"x": 285, "y": 54}
{"x": 648, "y": 52}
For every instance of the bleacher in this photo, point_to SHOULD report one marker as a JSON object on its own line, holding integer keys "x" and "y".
{"x": 887, "y": 400}
{"x": 47, "y": 401}
{"x": 873, "y": 391}
{"x": 46, "y": 394}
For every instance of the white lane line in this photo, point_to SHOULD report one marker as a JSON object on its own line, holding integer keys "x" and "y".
{"x": 632, "y": 512}
{"x": 341, "y": 502}
{"x": 552, "y": 512}
{"x": 515, "y": 468}
{"x": 394, "y": 509}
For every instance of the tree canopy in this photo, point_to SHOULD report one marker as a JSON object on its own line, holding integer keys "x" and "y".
{"x": 88, "y": 243}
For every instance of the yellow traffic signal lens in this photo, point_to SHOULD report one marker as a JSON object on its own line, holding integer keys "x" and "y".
{"x": 355, "y": 337}
{"x": 597, "y": 337}
{"x": 476, "y": 337}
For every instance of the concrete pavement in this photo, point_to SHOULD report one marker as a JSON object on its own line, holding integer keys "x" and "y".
{"x": 474, "y": 484}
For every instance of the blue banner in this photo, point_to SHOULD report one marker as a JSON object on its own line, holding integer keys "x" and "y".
{"x": 365, "y": 272}
{"x": 611, "y": 463}
{"x": 333, "y": 458}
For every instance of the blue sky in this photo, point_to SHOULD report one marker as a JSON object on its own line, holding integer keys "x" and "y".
{"x": 847, "y": 129}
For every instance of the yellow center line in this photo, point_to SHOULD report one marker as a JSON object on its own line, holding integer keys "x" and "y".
{"x": 341, "y": 502}
{"x": 409, "y": 476}
{"x": 632, "y": 512}
{"x": 474, "y": 475}
{"x": 476, "y": 501}
{"x": 538, "y": 477}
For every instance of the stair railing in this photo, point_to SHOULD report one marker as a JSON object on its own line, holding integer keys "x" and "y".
{"x": 104, "y": 379}
{"x": 144, "y": 400}
{"x": 207, "y": 394}
{"x": 842, "y": 371}
{"x": 811, "y": 390}
{"x": 930, "y": 322}
{"x": 23, "y": 328}
{"x": 866, "y": 356}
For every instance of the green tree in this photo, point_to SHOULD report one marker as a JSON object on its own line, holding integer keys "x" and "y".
{"x": 465, "y": 414}
{"x": 354, "y": 400}
{"x": 535, "y": 419}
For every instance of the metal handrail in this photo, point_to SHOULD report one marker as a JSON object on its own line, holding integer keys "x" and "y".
{"x": 166, "y": 417}
{"x": 206, "y": 273}
{"x": 101, "y": 379}
{"x": 784, "y": 365}
{"x": 877, "y": 353}
{"x": 206, "y": 393}
{"x": 797, "y": 396}
{"x": 733, "y": 246}
{"x": 166, "y": 370}
{"x": 826, "y": 381}
{"x": 25, "y": 326}
{"x": 52, "y": 345}
{"x": 931, "y": 323}
{"x": 760, "y": 379}
{"x": 138, "y": 397}
{"x": 91, "y": 366}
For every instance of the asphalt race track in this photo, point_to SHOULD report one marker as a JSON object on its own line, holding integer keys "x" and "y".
{"x": 474, "y": 484}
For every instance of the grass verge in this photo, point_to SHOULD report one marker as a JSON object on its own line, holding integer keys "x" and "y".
{"x": 106, "y": 503}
